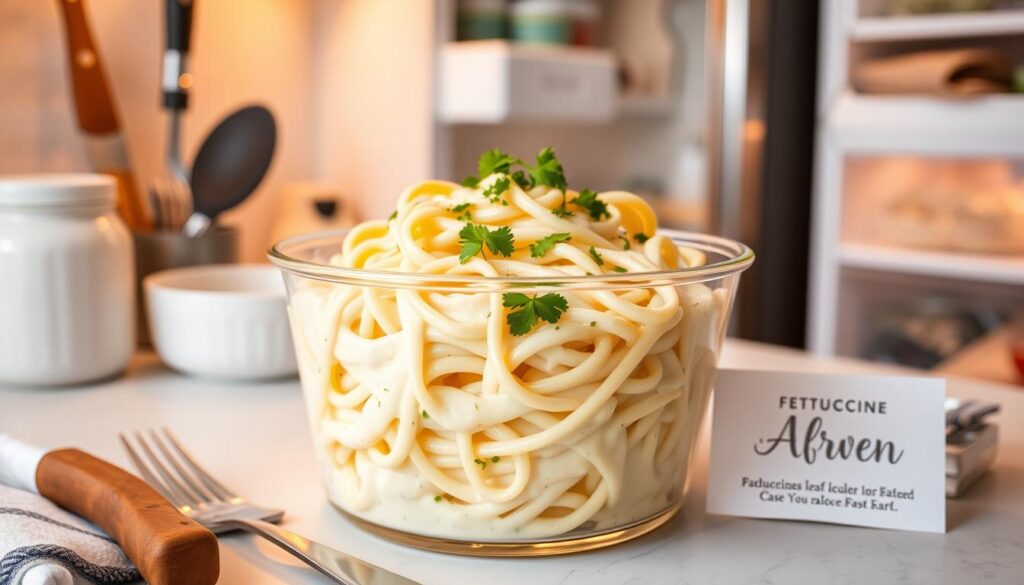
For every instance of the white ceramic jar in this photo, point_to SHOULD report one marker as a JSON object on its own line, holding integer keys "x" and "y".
{"x": 67, "y": 303}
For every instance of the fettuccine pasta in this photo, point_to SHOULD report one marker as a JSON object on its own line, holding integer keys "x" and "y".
{"x": 433, "y": 415}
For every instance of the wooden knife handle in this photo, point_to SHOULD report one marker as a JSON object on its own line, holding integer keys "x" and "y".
{"x": 167, "y": 547}
{"x": 93, "y": 103}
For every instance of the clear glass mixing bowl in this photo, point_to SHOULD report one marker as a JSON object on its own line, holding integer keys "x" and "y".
{"x": 437, "y": 428}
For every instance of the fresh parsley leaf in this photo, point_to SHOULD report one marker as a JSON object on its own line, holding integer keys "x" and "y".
{"x": 460, "y": 207}
{"x": 543, "y": 245}
{"x": 521, "y": 179}
{"x": 495, "y": 161}
{"x": 512, "y": 300}
{"x": 495, "y": 459}
{"x": 625, "y": 242}
{"x": 595, "y": 207}
{"x": 473, "y": 238}
{"x": 497, "y": 188}
{"x": 470, "y": 181}
{"x": 424, "y": 414}
{"x": 641, "y": 237}
{"x": 393, "y": 215}
{"x": 437, "y": 499}
{"x": 596, "y": 256}
{"x": 501, "y": 241}
{"x": 619, "y": 269}
{"x": 548, "y": 170}
{"x": 481, "y": 462}
{"x": 548, "y": 307}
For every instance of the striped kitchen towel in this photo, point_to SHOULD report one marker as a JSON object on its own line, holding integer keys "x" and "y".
{"x": 41, "y": 544}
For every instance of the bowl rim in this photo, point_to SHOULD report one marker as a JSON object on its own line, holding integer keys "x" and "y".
{"x": 739, "y": 257}
{"x": 167, "y": 281}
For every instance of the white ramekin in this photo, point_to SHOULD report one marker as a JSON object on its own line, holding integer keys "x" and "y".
{"x": 225, "y": 321}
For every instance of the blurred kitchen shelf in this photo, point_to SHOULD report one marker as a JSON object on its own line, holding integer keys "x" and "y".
{"x": 634, "y": 106}
{"x": 988, "y": 358}
{"x": 489, "y": 82}
{"x": 938, "y": 26}
{"x": 960, "y": 266}
{"x": 988, "y": 125}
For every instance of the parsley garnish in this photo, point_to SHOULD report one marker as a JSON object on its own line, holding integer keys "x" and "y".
{"x": 548, "y": 307}
{"x": 593, "y": 323}
{"x": 495, "y": 459}
{"x": 596, "y": 256}
{"x": 625, "y": 242}
{"x": 463, "y": 209}
{"x": 594, "y": 206}
{"x": 521, "y": 179}
{"x": 543, "y": 245}
{"x": 494, "y": 192}
{"x": 470, "y": 181}
{"x": 641, "y": 237}
{"x": 474, "y": 237}
{"x": 437, "y": 499}
{"x": 393, "y": 215}
{"x": 548, "y": 170}
{"x": 495, "y": 161}
{"x": 424, "y": 414}
{"x": 619, "y": 269}
{"x": 561, "y": 210}
{"x": 481, "y": 462}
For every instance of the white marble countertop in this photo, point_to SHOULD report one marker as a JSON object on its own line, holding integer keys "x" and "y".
{"x": 255, "y": 437}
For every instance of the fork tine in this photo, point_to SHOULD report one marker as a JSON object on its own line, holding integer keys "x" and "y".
{"x": 172, "y": 482}
{"x": 146, "y": 473}
{"x": 186, "y": 476}
{"x": 208, "y": 480}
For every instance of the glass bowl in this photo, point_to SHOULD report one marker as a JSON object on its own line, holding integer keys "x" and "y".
{"x": 437, "y": 428}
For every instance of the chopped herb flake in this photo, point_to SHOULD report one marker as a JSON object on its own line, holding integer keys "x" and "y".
{"x": 596, "y": 256}
{"x": 497, "y": 188}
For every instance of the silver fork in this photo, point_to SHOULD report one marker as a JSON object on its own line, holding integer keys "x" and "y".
{"x": 171, "y": 191}
{"x": 168, "y": 468}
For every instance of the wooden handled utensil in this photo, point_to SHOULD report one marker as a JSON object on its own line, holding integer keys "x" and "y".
{"x": 167, "y": 547}
{"x": 97, "y": 117}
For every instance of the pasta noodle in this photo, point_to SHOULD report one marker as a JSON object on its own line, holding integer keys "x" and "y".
{"x": 433, "y": 418}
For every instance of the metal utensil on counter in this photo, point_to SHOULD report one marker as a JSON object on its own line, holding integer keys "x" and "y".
{"x": 200, "y": 496}
{"x": 230, "y": 165}
{"x": 167, "y": 547}
{"x": 97, "y": 116}
{"x": 170, "y": 191}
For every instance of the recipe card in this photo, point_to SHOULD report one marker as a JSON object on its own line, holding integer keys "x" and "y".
{"x": 848, "y": 449}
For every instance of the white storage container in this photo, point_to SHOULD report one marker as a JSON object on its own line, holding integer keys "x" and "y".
{"x": 487, "y": 82}
{"x": 67, "y": 303}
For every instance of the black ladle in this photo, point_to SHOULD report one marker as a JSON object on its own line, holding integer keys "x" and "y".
{"x": 230, "y": 165}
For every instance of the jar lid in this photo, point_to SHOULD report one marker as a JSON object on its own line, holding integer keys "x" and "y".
{"x": 57, "y": 190}
{"x": 540, "y": 8}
